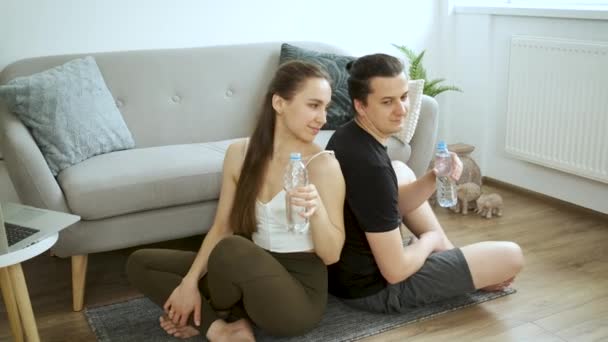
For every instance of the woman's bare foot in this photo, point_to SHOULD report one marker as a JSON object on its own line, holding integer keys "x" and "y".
{"x": 239, "y": 331}
{"x": 179, "y": 332}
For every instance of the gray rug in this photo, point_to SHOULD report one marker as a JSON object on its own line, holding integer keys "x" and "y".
{"x": 137, "y": 320}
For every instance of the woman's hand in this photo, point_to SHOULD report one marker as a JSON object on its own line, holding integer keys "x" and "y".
{"x": 307, "y": 197}
{"x": 185, "y": 299}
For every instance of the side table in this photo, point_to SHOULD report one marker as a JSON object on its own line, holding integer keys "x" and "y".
{"x": 14, "y": 289}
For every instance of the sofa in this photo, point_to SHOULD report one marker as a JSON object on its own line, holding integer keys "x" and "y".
{"x": 183, "y": 108}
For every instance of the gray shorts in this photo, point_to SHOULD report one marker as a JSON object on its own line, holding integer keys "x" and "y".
{"x": 445, "y": 274}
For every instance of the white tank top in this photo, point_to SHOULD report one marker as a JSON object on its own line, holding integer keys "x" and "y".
{"x": 272, "y": 233}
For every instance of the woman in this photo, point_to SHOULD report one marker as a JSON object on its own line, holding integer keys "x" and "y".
{"x": 249, "y": 266}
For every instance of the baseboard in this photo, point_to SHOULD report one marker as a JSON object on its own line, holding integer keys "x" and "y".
{"x": 546, "y": 198}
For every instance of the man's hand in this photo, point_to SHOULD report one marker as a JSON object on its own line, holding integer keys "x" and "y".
{"x": 455, "y": 167}
{"x": 445, "y": 245}
{"x": 434, "y": 239}
{"x": 456, "y": 171}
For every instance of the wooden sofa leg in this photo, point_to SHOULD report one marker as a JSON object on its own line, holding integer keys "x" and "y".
{"x": 79, "y": 276}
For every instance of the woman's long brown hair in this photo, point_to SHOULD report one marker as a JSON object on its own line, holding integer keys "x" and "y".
{"x": 288, "y": 79}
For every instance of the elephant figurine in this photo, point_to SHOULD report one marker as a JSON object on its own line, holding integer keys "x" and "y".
{"x": 489, "y": 204}
{"x": 467, "y": 194}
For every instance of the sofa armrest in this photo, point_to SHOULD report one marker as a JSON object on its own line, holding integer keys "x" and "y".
{"x": 29, "y": 172}
{"x": 423, "y": 141}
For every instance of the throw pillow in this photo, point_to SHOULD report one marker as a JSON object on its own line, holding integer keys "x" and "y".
{"x": 70, "y": 113}
{"x": 340, "y": 111}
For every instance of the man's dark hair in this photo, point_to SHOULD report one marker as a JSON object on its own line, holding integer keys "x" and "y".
{"x": 367, "y": 67}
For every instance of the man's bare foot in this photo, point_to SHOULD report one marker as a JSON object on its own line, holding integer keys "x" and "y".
{"x": 500, "y": 286}
{"x": 239, "y": 331}
{"x": 174, "y": 330}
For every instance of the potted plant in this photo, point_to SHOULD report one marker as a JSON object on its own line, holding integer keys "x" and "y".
{"x": 417, "y": 72}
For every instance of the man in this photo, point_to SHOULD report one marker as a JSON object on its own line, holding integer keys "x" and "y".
{"x": 375, "y": 272}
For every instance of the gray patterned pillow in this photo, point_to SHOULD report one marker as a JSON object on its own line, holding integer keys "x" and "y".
{"x": 340, "y": 111}
{"x": 69, "y": 112}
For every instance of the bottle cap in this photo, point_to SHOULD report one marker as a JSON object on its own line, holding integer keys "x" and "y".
{"x": 295, "y": 156}
{"x": 441, "y": 145}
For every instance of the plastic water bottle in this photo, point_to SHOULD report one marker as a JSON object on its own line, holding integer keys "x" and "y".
{"x": 295, "y": 176}
{"x": 446, "y": 187}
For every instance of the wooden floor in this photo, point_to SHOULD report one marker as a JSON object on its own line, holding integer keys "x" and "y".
{"x": 562, "y": 292}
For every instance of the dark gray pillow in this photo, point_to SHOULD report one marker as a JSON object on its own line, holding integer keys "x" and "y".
{"x": 340, "y": 111}
{"x": 70, "y": 113}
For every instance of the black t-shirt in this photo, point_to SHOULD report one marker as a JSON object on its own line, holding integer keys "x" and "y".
{"x": 372, "y": 205}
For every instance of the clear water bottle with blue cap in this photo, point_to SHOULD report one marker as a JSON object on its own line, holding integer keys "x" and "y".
{"x": 295, "y": 176}
{"x": 446, "y": 186}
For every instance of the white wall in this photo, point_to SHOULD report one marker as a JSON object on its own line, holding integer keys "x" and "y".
{"x": 31, "y": 28}
{"x": 34, "y": 28}
{"x": 478, "y": 50}
{"x": 469, "y": 50}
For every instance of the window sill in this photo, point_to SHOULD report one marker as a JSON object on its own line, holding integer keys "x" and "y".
{"x": 569, "y": 12}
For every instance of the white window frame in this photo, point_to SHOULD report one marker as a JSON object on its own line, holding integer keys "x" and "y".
{"x": 590, "y": 9}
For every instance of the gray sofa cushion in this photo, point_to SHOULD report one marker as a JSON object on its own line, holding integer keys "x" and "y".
{"x": 340, "y": 111}
{"x": 69, "y": 111}
{"x": 142, "y": 179}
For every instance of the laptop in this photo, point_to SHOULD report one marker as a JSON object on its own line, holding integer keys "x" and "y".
{"x": 22, "y": 225}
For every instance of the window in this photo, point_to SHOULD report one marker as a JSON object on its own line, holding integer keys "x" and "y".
{"x": 583, "y": 9}
{"x": 540, "y": 3}
{"x": 559, "y": 2}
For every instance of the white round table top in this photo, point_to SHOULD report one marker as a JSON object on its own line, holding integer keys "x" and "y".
{"x": 15, "y": 257}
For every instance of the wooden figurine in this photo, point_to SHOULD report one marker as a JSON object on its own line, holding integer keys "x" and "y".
{"x": 489, "y": 204}
{"x": 467, "y": 194}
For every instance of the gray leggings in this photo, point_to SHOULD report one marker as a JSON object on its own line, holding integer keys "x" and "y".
{"x": 285, "y": 294}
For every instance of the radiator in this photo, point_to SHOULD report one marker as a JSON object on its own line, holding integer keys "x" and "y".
{"x": 557, "y": 113}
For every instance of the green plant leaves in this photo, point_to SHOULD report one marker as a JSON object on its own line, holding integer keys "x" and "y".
{"x": 417, "y": 71}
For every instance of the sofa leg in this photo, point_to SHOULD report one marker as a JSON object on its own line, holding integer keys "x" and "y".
{"x": 79, "y": 276}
